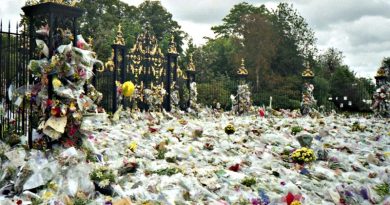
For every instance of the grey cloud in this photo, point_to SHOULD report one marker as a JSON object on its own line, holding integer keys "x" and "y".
{"x": 203, "y": 11}
{"x": 320, "y": 14}
{"x": 368, "y": 29}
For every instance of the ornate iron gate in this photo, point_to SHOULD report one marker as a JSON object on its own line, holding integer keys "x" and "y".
{"x": 146, "y": 66}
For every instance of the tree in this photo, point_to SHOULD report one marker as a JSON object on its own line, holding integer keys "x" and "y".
{"x": 330, "y": 60}
{"x": 386, "y": 62}
{"x": 160, "y": 22}
{"x": 232, "y": 22}
{"x": 101, "y": 19}
{"x": 259, "y": 47}
{"x": 295, "y": 28}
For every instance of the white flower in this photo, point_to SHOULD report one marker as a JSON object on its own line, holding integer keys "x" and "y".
{"x": 104, "y": 183}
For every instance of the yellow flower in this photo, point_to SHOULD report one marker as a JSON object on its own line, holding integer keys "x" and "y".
{"x": 133, "y": 146}
{"x": 386, "y": 154}
{"x": 108, "y": 198}
{"x": 56, "y": 83}
{"x": 296, "y": 203}
{"x": 72, "y": 107}
{"x": 47, "y": 195}
{"x": 128, "y": 88}
{"x": 171, "y": 129}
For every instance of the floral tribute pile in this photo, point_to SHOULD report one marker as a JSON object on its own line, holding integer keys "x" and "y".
{"x": 212, "y": 158}
{"x": 59, "y": 117}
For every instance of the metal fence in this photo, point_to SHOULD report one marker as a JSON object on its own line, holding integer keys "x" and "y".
{"x": 13, "y": 74}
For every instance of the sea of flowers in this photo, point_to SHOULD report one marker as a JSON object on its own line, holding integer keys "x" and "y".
{"x": 207, "y": 157}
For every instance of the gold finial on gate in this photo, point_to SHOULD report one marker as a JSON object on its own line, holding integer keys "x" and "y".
{"x": 191, "y": 65}
{"x": 172, "y": 46}
{"x": 119, "y": 40}
{"x": 381, "y": 72}
{"x": 242, "y": 70}
{"x": 308, "y": 72}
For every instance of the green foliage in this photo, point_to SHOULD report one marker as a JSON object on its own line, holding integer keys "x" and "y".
{"x": 383, "y": 189}
{"x": 231, "y": 25}
{"x": 296, "y": 29}
{"x": 217, "y": 90}
{"x": 161, "y": 154}
{"x": 321, "y": 89}
{"x": 103, "y": 173}
{"x": 81, "y": 201}
{"x": 162, "y": 25}
{"x": 296, "y": 129}
{"x": 167, "y": 171}
{"x": 36, "y": 201}
{"x": 273, "y": 44}
{"x": 248, "y": 181}
{"x": 102, "y": 18}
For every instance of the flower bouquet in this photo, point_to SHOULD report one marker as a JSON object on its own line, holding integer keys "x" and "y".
{"x": 102, "y": 178}
{"x": 229, "y": 129}
{"x": 303, "y": 155}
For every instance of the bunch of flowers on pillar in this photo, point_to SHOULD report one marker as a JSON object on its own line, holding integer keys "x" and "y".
{"x": 308, "y": 102}
{"x": 381, "y": 97}
{"x": 194, "y": 97}
{"x": 63, "y": 95}
{"x": 154, "y": 97}
{"x": 242, "y": 101}
{"x": 175, "y": 97}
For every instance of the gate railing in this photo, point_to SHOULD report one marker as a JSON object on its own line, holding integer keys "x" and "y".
{"x": 13, "y": 74}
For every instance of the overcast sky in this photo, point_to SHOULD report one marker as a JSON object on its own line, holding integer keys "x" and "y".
{"x": 359, "y": 28}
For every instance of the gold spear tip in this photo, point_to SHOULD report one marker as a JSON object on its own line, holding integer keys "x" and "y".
{"x": 307, "y": 72}
{"x": 242, "y": 70}
{"x": 119, "y": 40}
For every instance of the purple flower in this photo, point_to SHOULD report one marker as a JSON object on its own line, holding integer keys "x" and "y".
{"x": 364, "y": 193}
{"x": 256, "y": 202}
{"x": 264, "y": 197}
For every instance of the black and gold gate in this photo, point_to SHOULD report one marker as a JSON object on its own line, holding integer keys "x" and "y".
{"x": 145, "y": 65}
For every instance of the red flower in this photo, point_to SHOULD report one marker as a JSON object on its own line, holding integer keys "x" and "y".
{"x": 235, "y": 168}
{"x": 152, "y": 129}
{"x": 49, "y": 102}
{"x": 56, "y": 111}
{"x": 72, "y": 131}
{"x": 80, "y": 44}
{"x": 261, "y": 112}
{"x": 69, "y": 143}
{"x": 289, "y": 198}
